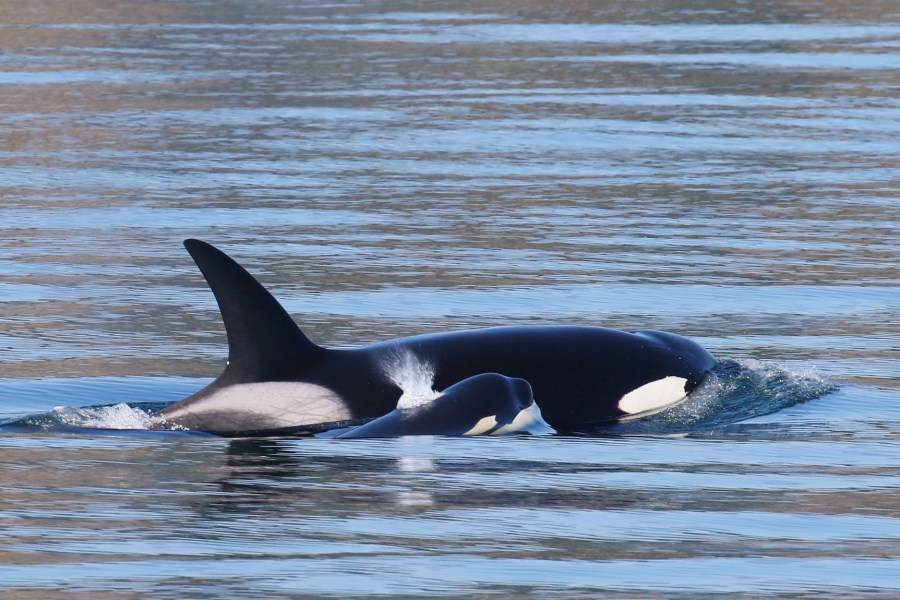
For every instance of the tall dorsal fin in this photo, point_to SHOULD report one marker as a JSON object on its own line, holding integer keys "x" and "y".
{"x": 264, "y": 342}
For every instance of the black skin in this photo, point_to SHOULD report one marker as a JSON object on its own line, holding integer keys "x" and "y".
{"x": 577, "y": 374}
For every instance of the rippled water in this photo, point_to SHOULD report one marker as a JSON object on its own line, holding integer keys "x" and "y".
{"x": 724, "y": 170}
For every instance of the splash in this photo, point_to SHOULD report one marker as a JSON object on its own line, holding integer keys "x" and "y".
{"x": 116, "y": 416}
{"x": 415, "y": 377}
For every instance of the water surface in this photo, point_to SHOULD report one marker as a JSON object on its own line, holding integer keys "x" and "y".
{"x": 722, "y": 169}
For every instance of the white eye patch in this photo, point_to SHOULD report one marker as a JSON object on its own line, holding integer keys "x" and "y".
{"x": 654, "y": 395}
{"x": 529, "y": 420}
{"x": 483, "y": 425}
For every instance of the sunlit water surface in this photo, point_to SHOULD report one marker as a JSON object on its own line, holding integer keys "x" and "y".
{"x": 725, "y": 170}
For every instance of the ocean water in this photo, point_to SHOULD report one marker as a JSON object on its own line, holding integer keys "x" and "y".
{"x": 725, "y": 170}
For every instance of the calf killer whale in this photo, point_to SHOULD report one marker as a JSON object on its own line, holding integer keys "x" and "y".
{"x": 277, "y": 381}
{"x": 484, "y": 404}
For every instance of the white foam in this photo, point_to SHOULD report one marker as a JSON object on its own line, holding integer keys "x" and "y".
{"x": 415, "y": 377}
{"x": 117, "y": 416}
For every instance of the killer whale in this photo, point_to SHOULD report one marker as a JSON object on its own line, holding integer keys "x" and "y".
{"x": 277, "y": 381}
{"x": 483, "y": 404}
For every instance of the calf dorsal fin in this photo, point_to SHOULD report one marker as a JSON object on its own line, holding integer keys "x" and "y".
{"x": 264, "y": 342}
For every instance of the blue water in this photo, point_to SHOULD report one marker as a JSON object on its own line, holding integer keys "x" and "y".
{"x": 721, "y": 169}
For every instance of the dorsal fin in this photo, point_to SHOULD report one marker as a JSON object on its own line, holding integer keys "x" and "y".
{"x": 264, "y": 342}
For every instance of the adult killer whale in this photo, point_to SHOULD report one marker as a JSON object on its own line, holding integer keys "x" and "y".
{"x": 277, "y": 381}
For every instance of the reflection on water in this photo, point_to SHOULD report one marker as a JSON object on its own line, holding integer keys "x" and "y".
{"x": 722, "y": 169}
